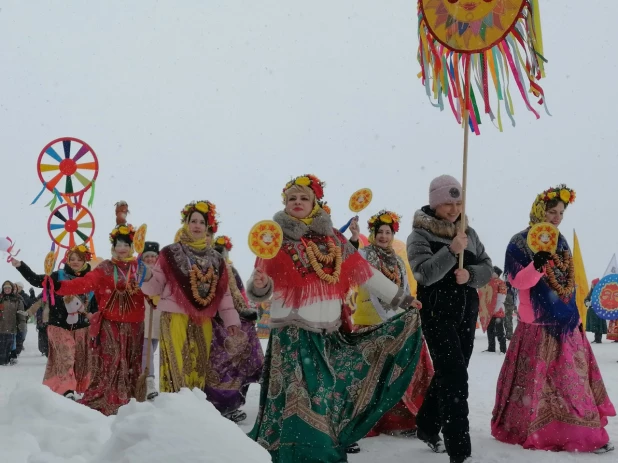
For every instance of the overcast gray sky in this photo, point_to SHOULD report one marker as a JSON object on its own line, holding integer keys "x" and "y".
{"x": 226, "y": 100}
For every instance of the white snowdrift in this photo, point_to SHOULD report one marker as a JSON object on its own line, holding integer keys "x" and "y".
{"x": 178, "y": 427}
{"x": 39, "y": 426}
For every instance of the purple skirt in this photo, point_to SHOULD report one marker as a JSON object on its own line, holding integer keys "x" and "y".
{"x": 235, "y": 363}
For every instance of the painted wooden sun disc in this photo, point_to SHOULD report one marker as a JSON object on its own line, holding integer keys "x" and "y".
{"x": 360, "y": 199}
{"x": 50, "y": 261}
{"x": 543, "y": 237}
{"x": 139, "y": 241}
{"x": 604, "y": 299}
{"x": 470, "y": 26}
{"x": 265, "y": 239}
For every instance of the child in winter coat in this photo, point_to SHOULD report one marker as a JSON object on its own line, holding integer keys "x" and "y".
{"x": 450, "y": 309}
{"x": 496, "y": 325}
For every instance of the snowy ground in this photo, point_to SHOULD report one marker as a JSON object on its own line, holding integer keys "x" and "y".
{"x": 111, "y": 437}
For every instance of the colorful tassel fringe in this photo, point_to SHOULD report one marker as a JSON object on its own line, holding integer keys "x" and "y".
{"x": 517, "y": 56}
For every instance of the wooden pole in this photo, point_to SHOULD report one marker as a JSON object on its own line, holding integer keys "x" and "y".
{"x": 464, "y": 179}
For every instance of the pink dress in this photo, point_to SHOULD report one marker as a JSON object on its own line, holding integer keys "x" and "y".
{"x": 550, "y": 393}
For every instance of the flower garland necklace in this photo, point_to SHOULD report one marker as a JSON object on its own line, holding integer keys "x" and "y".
{"x": 565, "y": 265}
{"x": 199, "y": 278}
{"x": 318, "y": 260}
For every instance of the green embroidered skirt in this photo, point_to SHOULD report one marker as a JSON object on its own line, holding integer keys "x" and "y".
{"x": 322, "y": 392}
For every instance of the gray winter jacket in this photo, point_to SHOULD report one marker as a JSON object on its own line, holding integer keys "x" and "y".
{"x": 430, "y": 257}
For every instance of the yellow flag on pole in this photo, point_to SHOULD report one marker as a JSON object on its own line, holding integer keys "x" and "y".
{"x": 581, "y": 281}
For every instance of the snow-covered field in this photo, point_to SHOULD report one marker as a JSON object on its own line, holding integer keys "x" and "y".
{"x": 37, "y": 426}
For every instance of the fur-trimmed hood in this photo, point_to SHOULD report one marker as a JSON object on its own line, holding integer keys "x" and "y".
{"x": 425, "y": 219}
{"x": 294, "y": 229}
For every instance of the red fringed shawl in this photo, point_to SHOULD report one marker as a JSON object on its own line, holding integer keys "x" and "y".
{"x": 297, "y": 284}
{"x": 173, "y": 263}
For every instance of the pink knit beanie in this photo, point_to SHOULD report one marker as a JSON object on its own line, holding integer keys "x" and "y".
{"x": 444, "y": 190}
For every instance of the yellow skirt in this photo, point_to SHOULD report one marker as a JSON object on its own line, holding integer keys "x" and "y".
{"x": 184, "y": 351}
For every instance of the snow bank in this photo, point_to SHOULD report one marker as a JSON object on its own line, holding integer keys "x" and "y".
{"x": 39, "y": 426}
{"x": 178, "y": 427}
{"x": 47, "y": 427}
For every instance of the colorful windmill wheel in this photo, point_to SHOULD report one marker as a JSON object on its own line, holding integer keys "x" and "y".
{"x": 360, "y": 199}
{"x": 69, "y": 225}
{"x": 265, "y": 239}
{"x": 68, "y": 166}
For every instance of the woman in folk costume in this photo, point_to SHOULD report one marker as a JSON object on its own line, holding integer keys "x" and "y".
{"x": 370, "y": 311}
{"x": 118, "y": 326}
{"x": 149, "y": 258}
{"x": 323, "y": 389}
{"x": 236, "y": 362}
{"x": 10, "y": 304}
{"x": 594, "y": 324}
{"x": 69, "y": 361}
{"x": 550, "y": 393}
{"x": 191, "y": 279}
{"x": 450, "y": 310}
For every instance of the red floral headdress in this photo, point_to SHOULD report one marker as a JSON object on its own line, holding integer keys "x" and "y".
{"x": 309, "y": 180}
{"x": 126, "y": 230}
{"x": 224, "y": 241}
{"x": 82, "y": 250}
{"x": 206, "y": 208}
{"x": 561, "y": 192}
{"x": 384, "y": 217}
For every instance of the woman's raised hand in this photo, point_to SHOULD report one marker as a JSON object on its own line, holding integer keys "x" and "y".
{"x": 260, "y": 279}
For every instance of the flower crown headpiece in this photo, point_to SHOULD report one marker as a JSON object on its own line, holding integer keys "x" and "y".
{"x": 539, "y": 207}
{"x": 316, "y": 185}
{"x": 126, "y": 230}
{"x": 206, "y": 208}
{"x": 562, "y": 192}
{"x": 384, "y": 217}
{"x": 224, "y": 241}
{"x": 81, "y": 249}
{"x": 309, "y": 180}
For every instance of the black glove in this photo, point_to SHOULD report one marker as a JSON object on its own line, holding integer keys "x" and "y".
{"x": 32, "y": 293}
{"x": 249, "y": 315}
{"x": 540, "y": 259}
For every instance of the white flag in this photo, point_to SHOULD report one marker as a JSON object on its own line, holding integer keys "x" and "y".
{"x": 612, "y": 267}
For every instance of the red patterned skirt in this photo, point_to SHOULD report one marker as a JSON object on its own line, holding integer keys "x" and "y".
{"x": 402, "y": 417}
{"x": 119, "y": 364}
{"x": 69, "y": 361}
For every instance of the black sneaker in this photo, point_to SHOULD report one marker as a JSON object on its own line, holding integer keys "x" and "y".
{"x": 435, "y": 443}
{"x": 353, "y": 448}
{"x": 461, "y": 459}
{"x": 236, "y": 416}
{"x": 605, "y": 449}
